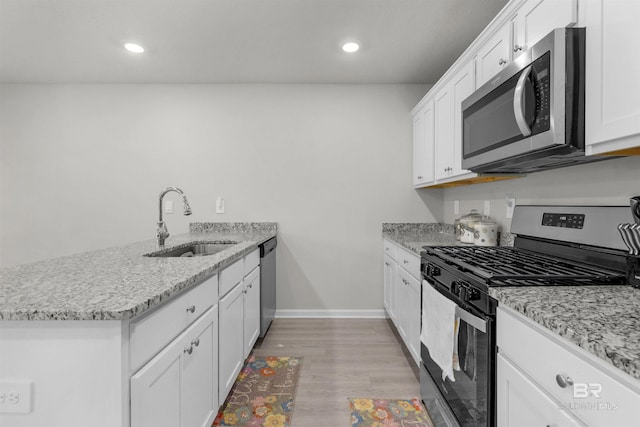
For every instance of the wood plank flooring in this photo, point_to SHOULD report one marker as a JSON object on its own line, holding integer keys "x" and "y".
{"x": 342, "y": 358}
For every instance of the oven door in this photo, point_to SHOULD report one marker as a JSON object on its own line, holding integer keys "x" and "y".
{"x": 469, "y": 401}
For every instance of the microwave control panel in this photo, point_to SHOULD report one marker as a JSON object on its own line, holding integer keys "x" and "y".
{"x": 541, "y": 80}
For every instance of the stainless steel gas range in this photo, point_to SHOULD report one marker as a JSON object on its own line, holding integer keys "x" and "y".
{"x": 555, "y": 246}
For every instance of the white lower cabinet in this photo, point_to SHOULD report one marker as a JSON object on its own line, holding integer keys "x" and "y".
{"x": 402, "y": 294}
{"x": 389, "y": 283}
{"x": 521, "y": 403}
{"x": 179, "y": 387}
{"x": 231, "y": 339}
{"x": 543, "y": 377}
{"x": 251, "y": 321}
{"x": 239, "y": 320}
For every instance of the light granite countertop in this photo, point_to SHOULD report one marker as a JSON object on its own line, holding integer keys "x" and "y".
{"x": 413, "y": 236}
{"x": 120, "y": 283}
{"x": 604, "y": 320}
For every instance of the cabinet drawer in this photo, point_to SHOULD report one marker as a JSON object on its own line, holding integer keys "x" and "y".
{"x": 155, "y": 330}
{"x": 410, "y": 262}
{"x": 231, "y": 276}
{"x": 389, "y": 249}
{"x": 599, "y": 395}
{"x": 251, "y": 261}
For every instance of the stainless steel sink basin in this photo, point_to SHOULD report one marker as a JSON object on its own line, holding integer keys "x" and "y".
{"x": 195, "y": 250}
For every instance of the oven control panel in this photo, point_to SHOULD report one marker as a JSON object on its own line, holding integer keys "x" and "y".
{"x": 563, "y": 220}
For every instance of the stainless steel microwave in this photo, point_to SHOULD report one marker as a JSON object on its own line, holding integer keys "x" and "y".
{"x": 530, "y": 116}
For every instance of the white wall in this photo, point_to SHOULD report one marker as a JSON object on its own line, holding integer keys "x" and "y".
{"x": 610, "y": 182}
{"x": 81, "y": 167}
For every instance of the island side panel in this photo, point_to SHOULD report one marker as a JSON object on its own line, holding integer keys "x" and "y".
{"x": 78, "y": 369}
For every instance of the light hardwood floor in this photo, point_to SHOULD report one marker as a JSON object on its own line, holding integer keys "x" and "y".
{"x": 342, "y": 358}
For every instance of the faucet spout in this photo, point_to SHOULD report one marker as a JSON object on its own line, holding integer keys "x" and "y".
{"x": 163, "y": 232}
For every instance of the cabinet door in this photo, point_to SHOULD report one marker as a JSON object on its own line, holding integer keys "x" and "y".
{"x": 199, "y": 374}
{"x": 177, "y": 387}
{"x": 537, "y": 18}
{"x": 521, "y": 403}
{"x": 155, "y": 390}
{"x": 444, "y": 132}
{"x": 413, "y": 318}
{"x": 403, "y": 303}
{"x": 251, "y": 310}
{"x": 230, "y": 338}
{"x": 494, "y": 55}
{"x": 612, "y": 116}
{"x": 462, "y": 87}
{"x": 423, "y": 146}
{"x": 389, "y": 277}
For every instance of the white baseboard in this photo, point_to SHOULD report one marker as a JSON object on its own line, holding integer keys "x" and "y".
{"x": 332, "y": 314}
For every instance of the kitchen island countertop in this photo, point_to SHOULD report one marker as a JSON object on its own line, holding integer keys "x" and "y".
{"x": 120, "y": 282}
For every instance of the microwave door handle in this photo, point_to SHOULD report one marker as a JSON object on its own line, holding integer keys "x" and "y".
{"x": 518, "y": 103}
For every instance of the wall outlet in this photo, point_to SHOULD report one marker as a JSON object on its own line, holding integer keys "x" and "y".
{"x": 168, "y": 206}
{"x": 456, "y": 207}
{"x": 219, "y": 205}
{"x": 15, "y": 396}
{"x": 487, "y": 207}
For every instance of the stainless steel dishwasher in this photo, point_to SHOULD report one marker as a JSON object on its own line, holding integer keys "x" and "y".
{"x": 267, "y": 284}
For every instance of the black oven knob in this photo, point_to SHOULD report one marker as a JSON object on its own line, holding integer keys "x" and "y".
{"x": 433, "y": 271}
{"x": 455, "y": 288}
{"x": 472, "y": 294}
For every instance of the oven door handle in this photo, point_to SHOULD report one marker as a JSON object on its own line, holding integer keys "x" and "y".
{"x": 477, "y": 322}
{"x": 518, "y": 103}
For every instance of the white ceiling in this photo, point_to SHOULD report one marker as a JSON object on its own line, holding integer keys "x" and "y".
{"x": 236, "y": 41}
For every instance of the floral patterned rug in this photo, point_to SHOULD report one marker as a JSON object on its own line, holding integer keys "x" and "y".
{"x": 388, "y": 413}
{"x": 263, "y": 394}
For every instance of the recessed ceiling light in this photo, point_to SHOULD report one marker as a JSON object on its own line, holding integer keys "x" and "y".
{"x": 350, "y": 47}
{"x": 134, "y": 47}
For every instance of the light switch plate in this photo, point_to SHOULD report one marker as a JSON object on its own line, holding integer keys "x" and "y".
{"x": 219, "y": 205}
{"x": 487, "y": 207}
{"x": 456, "y": 207}
{"x": 510, "y": 204}
{"x": 168, "y": 206}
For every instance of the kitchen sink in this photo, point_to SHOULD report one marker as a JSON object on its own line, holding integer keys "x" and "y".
{"x": 195, "y": 249}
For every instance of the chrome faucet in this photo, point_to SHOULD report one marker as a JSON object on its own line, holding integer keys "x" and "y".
{"x": 163, "y": 233}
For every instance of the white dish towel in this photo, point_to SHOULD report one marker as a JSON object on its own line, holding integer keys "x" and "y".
{"x": 439, "y": 329}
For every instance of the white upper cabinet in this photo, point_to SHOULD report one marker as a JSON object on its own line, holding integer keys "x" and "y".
{"x": 612, "y": 116}
{"x": 463, "y": 85}
{"x": 494, "y": 54}
{"x": 444, "y": 132}
{"x": 537, "y": 18}
{"x": 423, "y": 145}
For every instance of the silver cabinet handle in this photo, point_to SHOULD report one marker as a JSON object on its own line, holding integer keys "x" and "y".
{"x": 419, "y": 177}
{"x": 502, "y": 61}
{"x": 191, "y": 309}
{"x": 250, "y": 285}
{"x": 196, "y": 342}
{"x": 404, "y": 261}
{"x": 517, "y": 48}
{"x": 189, "y": 350}
{"x": 387, "y": 264}
{"x": 518, "y": 103}
{"x": 563, "y": 380}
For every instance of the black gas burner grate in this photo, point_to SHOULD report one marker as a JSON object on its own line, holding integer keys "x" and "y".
{"x": 509, "y": 266}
